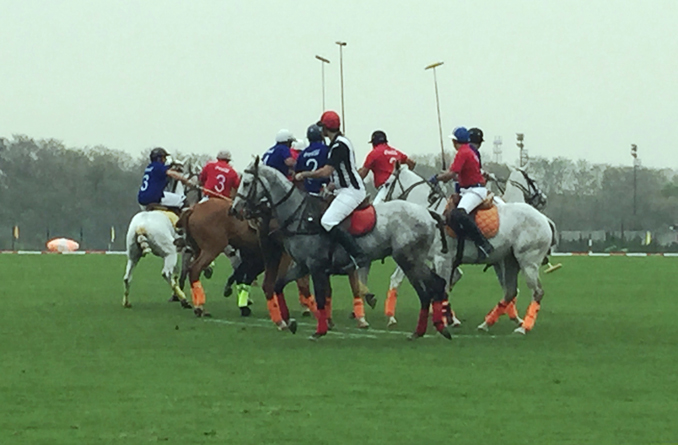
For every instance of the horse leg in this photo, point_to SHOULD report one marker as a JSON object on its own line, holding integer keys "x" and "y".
{"x": 272, "y": 264}
{"x": 197, "y": 291}
{"x": 531, "y": 272}
{"x": 306, "y": 299}
{"x": 132, "y": 261}
{"x": 392, "y": 296}
{"x": 359, "y": 292}
{"x": 169, "y": 264}
{"x": 507, "y": 274}
{"x": 321, "y": 286}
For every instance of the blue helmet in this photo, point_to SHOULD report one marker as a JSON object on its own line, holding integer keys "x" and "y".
{"x": 460, "y": 134}
{"x": 314, "y": 133}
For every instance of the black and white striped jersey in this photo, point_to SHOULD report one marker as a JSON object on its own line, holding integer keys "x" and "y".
{"x": 342, "y": 158}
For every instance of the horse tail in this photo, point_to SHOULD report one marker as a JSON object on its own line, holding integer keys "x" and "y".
{"x": 187, "y": 242}
{"x": 142, "y": 241}
{"x": 440, "y": 222}
{"x": 554, "y": 232}
{"x": 182, "y": 223}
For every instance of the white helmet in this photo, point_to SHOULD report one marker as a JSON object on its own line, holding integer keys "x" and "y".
{"x": 284, "y": 136}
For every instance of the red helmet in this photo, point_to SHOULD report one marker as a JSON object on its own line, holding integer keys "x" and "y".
{"x": 330, "y": 120}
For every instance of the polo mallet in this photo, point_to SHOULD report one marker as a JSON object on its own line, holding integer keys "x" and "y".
{"x": 552, "y": 268}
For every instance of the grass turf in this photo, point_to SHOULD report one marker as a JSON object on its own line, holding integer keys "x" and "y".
{"x": 599, "y": 367}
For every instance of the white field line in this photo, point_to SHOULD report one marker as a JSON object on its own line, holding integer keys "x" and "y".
{"x": 369, "y": 333}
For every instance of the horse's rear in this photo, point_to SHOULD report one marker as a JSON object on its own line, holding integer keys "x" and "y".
{"x": 151, "y": 232}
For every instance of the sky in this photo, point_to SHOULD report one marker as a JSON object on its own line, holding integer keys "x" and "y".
{"x": 582, "y": 79}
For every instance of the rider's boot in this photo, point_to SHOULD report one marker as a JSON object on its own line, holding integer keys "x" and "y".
{"x": 472, "y": 232}
{"x": 349, "y": 243}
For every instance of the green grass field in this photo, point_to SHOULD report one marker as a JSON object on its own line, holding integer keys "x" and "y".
{"x": 76, "y": 368}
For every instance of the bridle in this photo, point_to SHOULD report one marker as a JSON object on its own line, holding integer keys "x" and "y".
{"x": 435, "y": 194}
{"x": 265, "y": 206}
{"x": 533, "y": 196}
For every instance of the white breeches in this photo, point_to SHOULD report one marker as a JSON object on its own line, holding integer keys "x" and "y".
{"x": 345, "y": 201}
{"x": 170, "y": 199}
{"x": 471, "y": 198}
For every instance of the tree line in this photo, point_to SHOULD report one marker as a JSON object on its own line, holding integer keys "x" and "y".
{"x": 49, "y": 190}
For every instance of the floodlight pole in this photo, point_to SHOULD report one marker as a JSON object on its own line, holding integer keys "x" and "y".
{"x": 322, "y": 74}
{"x": 341, "y": 74}
{"x": 636, "y": 161}
{"x": 433, "y": 66}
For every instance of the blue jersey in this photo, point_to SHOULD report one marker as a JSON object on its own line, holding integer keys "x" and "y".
{"x": 153, "y": 183}
{"x": 275, "y": 157}
{"x": 312, "y": 158}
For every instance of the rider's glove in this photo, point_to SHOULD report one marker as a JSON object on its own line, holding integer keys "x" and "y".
{"x": 433, "y": 179}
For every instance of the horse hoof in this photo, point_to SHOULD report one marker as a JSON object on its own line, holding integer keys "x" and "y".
{"x": 186, "y": 305}
{"x": 391, "y": 322}
{"x": 351, "y": 316}
{"x": 228, "y": 291}
{"x": 445, "y": 333}
{"x": 173, "y": 298}
{"x": 306, "y": 312}
{"x": 455, "y": 322}
{"x": 317, "y": 336}
{"x": 371, "y": 300}
{"x": 201, "y": 313}
{"x": 520, "y": 330}
{"x": 282, "y": 326}
{"x": 483, "y": 327}
{"x": 250, "y": 302}
{"x": 292, "y": 325}
{"x": 208, "y": 272}
{"x": 518, "y": 321}
{"x": 362, "y": 323}
{"x": 245, "y": 311}
{"x": 330, "y": 324}
{"x": 127, "y": 305}
{"x": 414, "y": 336}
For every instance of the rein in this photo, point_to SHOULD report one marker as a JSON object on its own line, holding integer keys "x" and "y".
{"x": 406, "y": 191}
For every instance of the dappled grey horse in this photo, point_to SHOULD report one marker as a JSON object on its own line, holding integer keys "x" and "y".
{"x": 403, "y": 230}
{"x": 524, "y": 239}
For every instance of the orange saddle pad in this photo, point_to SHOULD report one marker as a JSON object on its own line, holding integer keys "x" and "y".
{"x": 486, "y": 220}
{"x": 362, "y": 221}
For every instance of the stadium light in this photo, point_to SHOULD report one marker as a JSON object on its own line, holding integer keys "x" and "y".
{"x": 322, "y": 74}
{"x": 433, "y": 66}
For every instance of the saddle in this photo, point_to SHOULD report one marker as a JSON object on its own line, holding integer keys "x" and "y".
{"x": 359, "y": 223}
{"x": 486, "y": 215}
{"x": 170, "y": 213}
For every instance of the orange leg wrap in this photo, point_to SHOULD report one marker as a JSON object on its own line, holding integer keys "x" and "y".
{"x": 531, "y": 315}
{"x": 274, "y": 310}
{"x": 390, "y": 303}
{"x": 308, "y": 302}
{"x": 358, "y": 307}
{"x": 499, "y": 310}
{"x": 197, "y": 294}
{"x": 511, "y": 310}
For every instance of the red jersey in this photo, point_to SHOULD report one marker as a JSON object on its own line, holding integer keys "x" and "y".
{"x": 467, "y": 166}
{"x": 219, "y": 177}
{"x": 381, "y": 160}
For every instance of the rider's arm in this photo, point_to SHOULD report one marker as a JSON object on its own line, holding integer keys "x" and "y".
{"x": 446, "y": 176}
{"x": 178, "y": 176}
{"x": 362, "y": 171}
{"x": 290, "y": 161}
{"x": 323, "y": 172}
{"x": 410, "y": 163}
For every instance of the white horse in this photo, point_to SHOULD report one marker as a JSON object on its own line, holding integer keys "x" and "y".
{"x": 153, "y": 232}
{"x": 524, "y": 239}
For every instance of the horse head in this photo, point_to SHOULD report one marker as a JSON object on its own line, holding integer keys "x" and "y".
{"x": 261, "y": 190}
{"x": 520, "y": 184}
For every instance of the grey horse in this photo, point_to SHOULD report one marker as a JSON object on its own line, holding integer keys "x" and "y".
{"x": 524, "y": 239}
{"x": 403, "y": 230}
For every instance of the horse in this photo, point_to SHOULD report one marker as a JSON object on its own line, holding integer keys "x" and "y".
{"x": 520, "y": 187}
{"x": 209, "y": 229}
{"x": 402, "y": 230}
{"x": 152, "y": 231}
{"x": 524, "y": 239}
